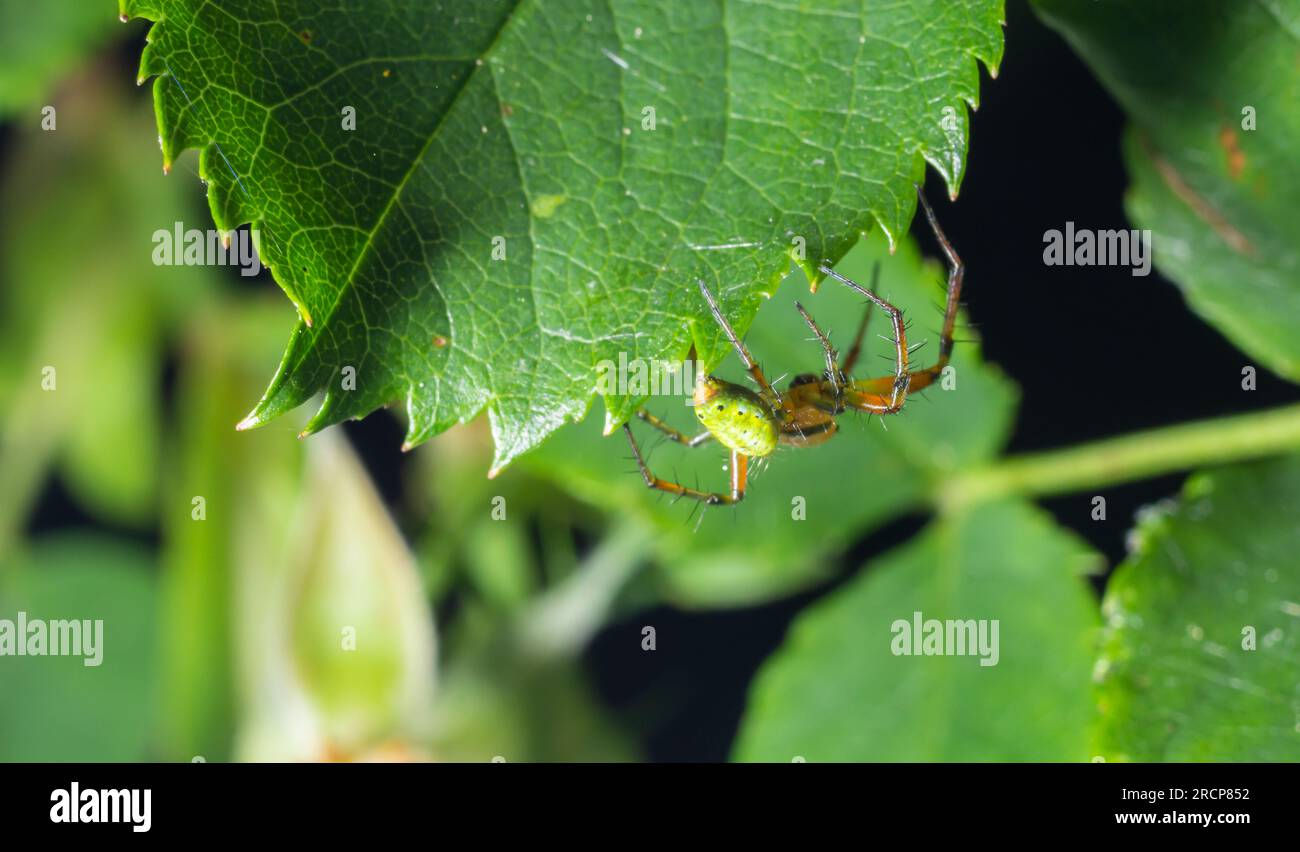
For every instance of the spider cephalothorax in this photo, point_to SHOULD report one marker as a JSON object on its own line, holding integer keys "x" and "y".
{"x": 752, "y": 424}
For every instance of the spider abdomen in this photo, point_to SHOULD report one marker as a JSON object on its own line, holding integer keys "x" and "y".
{"x": 736, "y": 416}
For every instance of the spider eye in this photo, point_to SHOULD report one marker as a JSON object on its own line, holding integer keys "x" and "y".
{"x": 720, "y": 406}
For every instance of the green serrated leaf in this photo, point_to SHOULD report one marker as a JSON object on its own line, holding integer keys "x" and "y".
{"x": 836, "y": 691}
{"x": 1213, "y": 91}
{"x": 533, "y": 187}
{"x": 873, "y": 470}
{"x": 1201, "y": 652}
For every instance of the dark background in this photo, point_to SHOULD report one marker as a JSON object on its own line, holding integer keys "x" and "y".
{"x": 1096, "y": 352}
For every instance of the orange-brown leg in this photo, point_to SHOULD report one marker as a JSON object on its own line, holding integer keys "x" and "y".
{"x": 814, "y": 404}
{"x": 876, "y": 394}
{"x": 739, "y": 475}
{"x": 898, "y": 386}
{"x": 876, "y": 403}
{"x": 872, "y": 394}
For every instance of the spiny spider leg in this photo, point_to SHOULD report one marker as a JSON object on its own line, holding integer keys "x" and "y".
{"x": 769, "y": 392}
{"x": 956, "y": 272}
{"x": 856, "y": 349}
{"x": 739, "y": 473}
{"x": 672, "y": 433}
{"x": 833, "y": 373}
{"x": 899, "y": 389}
{"x": 870, "y": 391}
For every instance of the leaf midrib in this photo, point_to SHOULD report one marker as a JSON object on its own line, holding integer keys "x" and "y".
{"x": 350, "y": 280}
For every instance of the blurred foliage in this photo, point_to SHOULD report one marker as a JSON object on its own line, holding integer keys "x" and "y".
{"x": 1201, "y": 653}
{"x": 59, "y": 708}
{"x": 82, "y": 298}
{"x": 837, "y": 689}
{"x": 40, "y": 45}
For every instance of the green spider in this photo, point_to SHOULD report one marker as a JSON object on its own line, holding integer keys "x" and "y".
{"x": 752, "y": 425}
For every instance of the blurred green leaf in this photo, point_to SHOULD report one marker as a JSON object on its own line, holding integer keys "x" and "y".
{"x": 83, "y": 298}
{"x": 58, "y": 709}
{"x": 835, "y": 691}
{"x": 500, "y": 563}
{"x": 295, "y": 622}
{"x": 1213, "y": 92}
{"x": 42, "y": 43}
{"x": 248, "y": 485}
{"x": 502, "y": 707}
{"x": 1201, "y": 652}
{"x": 506, "y": 211}
{"x": 873, "y": 470}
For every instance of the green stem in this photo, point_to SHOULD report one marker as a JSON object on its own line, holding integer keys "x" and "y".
{"x": 1130, "y": 457}
{"x": 562, "y": 621}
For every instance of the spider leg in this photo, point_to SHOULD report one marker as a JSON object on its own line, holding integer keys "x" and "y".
{"x": 768, "y": 391}
{"x": 956, "y": 272}
{"x": 899, "y": 387}
{"x": 739, "y": 472}
{"x": 856, "y": 349}
{"x": 878, "y": 395}
{"x": 874, "y": 396}
{"x": 833, "y": 373}
{"x": 673, "y": 434}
